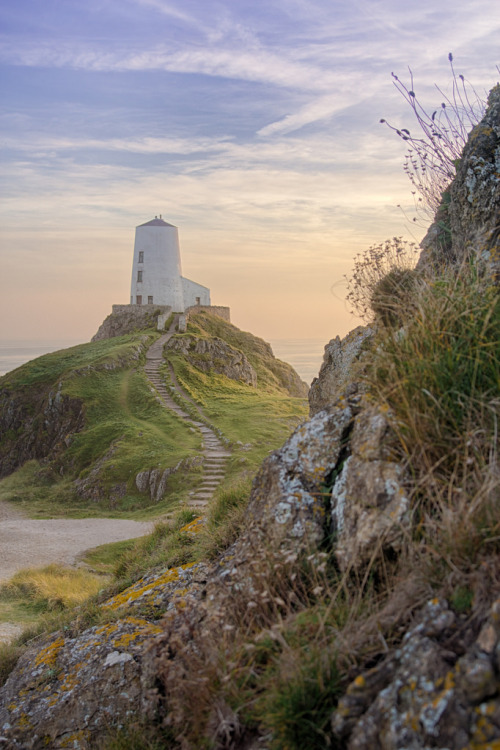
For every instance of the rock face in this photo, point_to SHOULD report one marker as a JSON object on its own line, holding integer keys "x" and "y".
{"x": 337, "y": 370}
{"x": 154, "y": 481}
{"x": 130, "y": 318}
{"x": 369, "y": 503}
{"x": 34, "y": 423}
{"x": 468, "y": 222}
{"x": 426, "y": 694}
{"x": 66, "y": 688}
{"x": 214, "y": 355}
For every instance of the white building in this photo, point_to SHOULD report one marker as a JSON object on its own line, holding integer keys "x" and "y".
{"x": 156, "y": 270}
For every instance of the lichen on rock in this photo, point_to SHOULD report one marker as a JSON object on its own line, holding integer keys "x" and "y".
{"x": 74, "y": 687}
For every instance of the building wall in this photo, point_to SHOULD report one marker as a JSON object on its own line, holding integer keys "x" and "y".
{"x": 156, "y": 275}
{"x": 195, "y": 294}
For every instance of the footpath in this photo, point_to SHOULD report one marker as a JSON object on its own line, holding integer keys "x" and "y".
{"x": 215, "y": 454}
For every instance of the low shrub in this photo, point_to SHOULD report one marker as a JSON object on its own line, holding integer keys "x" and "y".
{"x": 382, "y": 280}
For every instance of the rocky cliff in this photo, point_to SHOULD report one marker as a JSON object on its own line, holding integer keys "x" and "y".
{"x": 130, "y": 319}
{"x": 359, "y": 605}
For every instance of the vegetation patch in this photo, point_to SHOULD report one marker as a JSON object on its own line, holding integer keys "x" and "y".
{"x": 51, "y": 587}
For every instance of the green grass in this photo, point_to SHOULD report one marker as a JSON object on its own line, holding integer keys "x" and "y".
{"x": 52, "y": 587}
{"x": 242, "y": 413}
{"x": 126, "y": 432}
{"x": 48, "y": 368}
{"x": 298, "y": 701}
{"x": 166, "y": 547}
{"x": 9, "y": 654}
{"x": 272, "y": 374}
{"x": 105, "y": 558}
{"x": 121, "y": 411}
{"x": 440, "y": 380}
{"x": 138, "y": 736}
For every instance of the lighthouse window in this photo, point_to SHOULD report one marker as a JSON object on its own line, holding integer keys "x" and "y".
{"x": 141, "y": 256}
{"x": 150, "y": 300}
{"x": 139, "y": 275}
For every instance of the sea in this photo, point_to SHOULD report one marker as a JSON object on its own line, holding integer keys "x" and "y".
{"x": 305, "y": 355}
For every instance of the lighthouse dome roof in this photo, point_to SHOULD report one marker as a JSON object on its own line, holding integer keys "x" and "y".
{"x": 156, "y": 222}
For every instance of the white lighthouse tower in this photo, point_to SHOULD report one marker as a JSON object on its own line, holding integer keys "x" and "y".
{"x": 156, "y": 270}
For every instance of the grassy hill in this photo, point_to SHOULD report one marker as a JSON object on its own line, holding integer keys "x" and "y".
{"x": 79, "y": 425}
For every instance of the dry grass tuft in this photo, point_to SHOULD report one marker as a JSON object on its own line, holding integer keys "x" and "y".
{"x": 52, "y": 587}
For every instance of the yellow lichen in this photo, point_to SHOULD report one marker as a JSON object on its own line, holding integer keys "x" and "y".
{"x": 24, "y": 721}
{"x": 70, "y": 681}
{"x": 194, "y": 527}
{"x": 125, "y": 639}
{"x": 141, "y": 588}
{"x": 449, "y": 681}
{"x": 48, "y": 655}
{"x": 74, "y": 740}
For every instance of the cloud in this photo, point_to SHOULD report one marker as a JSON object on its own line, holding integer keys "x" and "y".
{"x": 320, "y": 108}
{"x": 139, "y": 145}
{"x": 167, "y": 9}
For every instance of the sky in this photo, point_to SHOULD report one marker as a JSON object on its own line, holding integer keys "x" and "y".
{"x": 252, "y": 126}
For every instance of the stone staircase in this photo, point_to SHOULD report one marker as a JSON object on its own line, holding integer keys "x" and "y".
{"x": 214, "y": 452}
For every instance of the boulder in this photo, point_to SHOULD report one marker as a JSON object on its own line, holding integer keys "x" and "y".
{"x": 154, "y": 481}
{"x": 69, "y": 690}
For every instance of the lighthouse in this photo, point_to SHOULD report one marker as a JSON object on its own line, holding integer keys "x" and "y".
{"x": 156, "y": 270}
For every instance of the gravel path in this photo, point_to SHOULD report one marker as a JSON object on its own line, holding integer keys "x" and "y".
{"x": 25, "y": 543}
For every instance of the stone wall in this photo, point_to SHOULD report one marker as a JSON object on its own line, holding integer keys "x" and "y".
{"x": 140, "y": 310}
